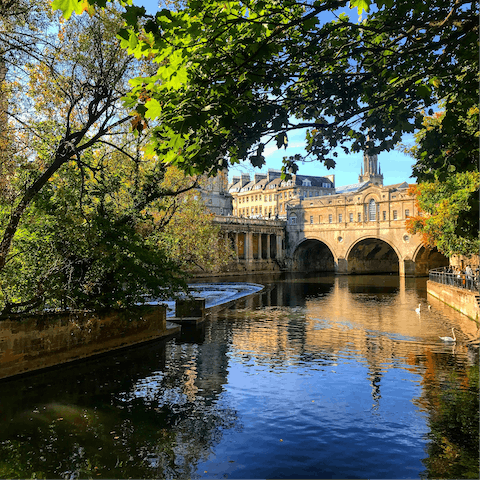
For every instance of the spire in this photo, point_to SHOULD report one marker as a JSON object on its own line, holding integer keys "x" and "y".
{"x": 370, "y": 170}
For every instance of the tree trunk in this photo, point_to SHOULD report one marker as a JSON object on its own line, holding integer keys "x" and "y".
{"x": 62, "y": 156}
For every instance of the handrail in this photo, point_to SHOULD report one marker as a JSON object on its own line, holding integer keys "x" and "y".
{"x": 455, "y": 279}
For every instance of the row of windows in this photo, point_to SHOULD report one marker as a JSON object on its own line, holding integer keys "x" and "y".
{"x": 257, "y": 211}
{"x": 273, "y": 197}
{"x": 266, "y": 198}
{"x": 293, "y": 218}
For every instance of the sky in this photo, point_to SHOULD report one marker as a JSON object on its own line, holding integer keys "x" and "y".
{"x": 395, "y": 166}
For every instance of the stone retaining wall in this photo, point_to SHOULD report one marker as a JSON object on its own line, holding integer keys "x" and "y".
{"x": 35, "y": 342}
{"x": 461, "y": 300}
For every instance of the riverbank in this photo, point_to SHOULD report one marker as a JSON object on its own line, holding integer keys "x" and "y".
{"x": 464, "y": 301}
{"x": 35, "y": 342}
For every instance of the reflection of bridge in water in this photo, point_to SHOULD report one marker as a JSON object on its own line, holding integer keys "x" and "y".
{"x": 361, "y": 232}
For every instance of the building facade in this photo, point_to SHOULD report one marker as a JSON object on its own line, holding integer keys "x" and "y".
{"x": 267, "y": 195}
{"x": 361, "y": 204}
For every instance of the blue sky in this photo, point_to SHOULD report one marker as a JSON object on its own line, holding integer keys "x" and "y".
{"x": 396, "y": 167}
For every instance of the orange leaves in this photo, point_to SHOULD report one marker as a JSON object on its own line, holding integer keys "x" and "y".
{"x": 417, "y": 225}
{"x": 138, "y": 123}
{"x": 415, "y": 191}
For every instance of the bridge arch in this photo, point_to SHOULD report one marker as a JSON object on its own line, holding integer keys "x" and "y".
{"x": 312, "y": 255}
{"x": 427, "y": 258}
{"x": 369, "y": 255}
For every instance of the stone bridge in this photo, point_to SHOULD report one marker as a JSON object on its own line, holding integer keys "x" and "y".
{"x": 363, "y": 239}
{"x": 360, "y": 248}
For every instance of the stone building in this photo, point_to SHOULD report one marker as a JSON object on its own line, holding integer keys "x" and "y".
{"x": 359, "y": 203}
{"x": 267, "y": 195}
{"x": 214, "y": 193}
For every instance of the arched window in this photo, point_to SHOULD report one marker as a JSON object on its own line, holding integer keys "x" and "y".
{"x": 293, "y": 220}
{"x": 372, "y": 210}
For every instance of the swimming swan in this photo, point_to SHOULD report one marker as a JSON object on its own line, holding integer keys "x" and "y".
{"x": 449, "y": 339}
{"x": 418, "y": 308}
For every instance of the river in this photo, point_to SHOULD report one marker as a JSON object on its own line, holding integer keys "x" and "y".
{"x": 314, "y": 377}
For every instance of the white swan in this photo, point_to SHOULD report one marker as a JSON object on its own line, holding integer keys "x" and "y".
{"x": 429, "y": 307}
{"x": 449, "y": 339}
{"x": 418, "y": 308}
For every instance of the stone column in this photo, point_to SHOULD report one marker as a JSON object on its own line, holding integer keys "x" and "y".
{"x": 236, "y": 245}
{"x": 248, "y": 247}
{"x": 256, "y": 246}
{"x": 268, "y": 246}
{"x": 406, "y": 268}
{"x": 279, "y": 247}
{"x": 342, "y": 266}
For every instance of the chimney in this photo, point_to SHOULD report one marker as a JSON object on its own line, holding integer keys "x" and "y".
{"x": 272, "y": 174}
{"x": 245, "y": 179}
{"x": 331, "y": 178}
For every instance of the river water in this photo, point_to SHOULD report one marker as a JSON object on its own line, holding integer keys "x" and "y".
{"x": 317, "y": 377}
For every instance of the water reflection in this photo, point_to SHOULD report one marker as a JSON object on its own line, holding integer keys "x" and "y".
{"x": 131, "y": 415}
{"x": 318, "y": 377}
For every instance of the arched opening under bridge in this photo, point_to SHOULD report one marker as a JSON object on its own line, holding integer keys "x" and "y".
{"x": 428, "y": 258}
{"x": 372, "y": 255}
{"x": 313, "y": 256}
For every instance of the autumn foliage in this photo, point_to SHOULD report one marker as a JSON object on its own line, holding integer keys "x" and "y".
{"x": 448, "y": 214}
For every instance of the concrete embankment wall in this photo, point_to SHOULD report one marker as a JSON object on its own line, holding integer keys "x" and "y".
{"x": 31, "y": 343}
{"x": 461, "y": 300}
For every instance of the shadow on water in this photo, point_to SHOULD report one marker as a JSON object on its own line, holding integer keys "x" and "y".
{"x": 136, "y": 414}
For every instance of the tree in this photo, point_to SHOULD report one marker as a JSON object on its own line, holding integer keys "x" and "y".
{"x": 447, "y": 195}
{"x": 234, "y": 76}
{"x": 81, "y": 197}
{"x": 190, "y": 237}
{"x": 448, "y": 214}
{"x": 89, "y": 87}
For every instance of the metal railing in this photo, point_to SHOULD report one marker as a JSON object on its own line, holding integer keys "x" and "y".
{"x": 445, "y": 276}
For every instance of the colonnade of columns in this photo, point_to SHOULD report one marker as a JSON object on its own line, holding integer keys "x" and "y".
{"x": 250, "y": 246}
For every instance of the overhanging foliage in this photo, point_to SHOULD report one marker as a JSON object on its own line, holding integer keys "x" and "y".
{"x": 234, "y": 76}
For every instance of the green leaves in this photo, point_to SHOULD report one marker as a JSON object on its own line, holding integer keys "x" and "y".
{"x": 450, "y": 214}
{"x": 132, "y": 14}
{"x": 67, "y": 7}
{"x": 236, "y": 75}
{"x": 362, "y": 5}
{"x": 282, "y": 140}
{"x": 258, "y": 160}
{"x": 153, "y": 109}
{"x": 447, "y": 167}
